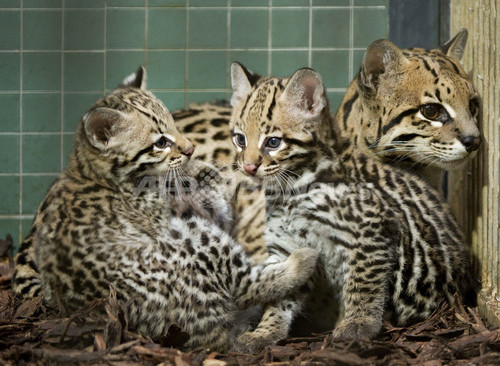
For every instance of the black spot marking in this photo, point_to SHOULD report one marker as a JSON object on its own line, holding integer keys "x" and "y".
{"x": 348, "y": 108}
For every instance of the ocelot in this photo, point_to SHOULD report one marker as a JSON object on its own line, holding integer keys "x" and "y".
{"x": 413, "y": 108}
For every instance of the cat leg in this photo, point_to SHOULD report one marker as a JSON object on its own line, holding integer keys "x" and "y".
{"x": 274, "y": 326}
{"x": 271, "y": 282}
{"x": 277, "y": 317}
{"x": 26, "y": 282}
{"x": 364, "y": 294}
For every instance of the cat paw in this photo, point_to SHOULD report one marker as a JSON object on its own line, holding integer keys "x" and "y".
{"x": 303, "y": 261}
{"x": 253, "y": 341}
{"x": 356, "y": 328}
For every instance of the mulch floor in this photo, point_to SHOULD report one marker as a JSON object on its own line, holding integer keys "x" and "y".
{"x": 31, "y": 334}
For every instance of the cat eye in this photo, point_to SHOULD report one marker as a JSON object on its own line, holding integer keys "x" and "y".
{"x": 430, "y": 111}
{"x": 474, "y": 107}
{"x": 163, "y": 143}
{"x": 239, "y": 140}
{"x": 435, "y": 112}
{"x": 273, "y": 142}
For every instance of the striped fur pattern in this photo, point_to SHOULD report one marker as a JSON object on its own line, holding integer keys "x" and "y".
{"x": 389, "y": 248}
{"x": 162, "y": 250}
{"x": 413, "y": 108}
{"x": 206, "y": 125}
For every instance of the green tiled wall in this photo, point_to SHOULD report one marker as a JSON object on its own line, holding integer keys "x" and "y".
{"x": 58, "y": 56}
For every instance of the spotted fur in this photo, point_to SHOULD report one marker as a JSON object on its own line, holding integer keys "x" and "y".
{"x": 389, "y": 248}
{"x": 112, "y": 220}
{"x": 207, "y": 126}
{"x": 413, "y": 108}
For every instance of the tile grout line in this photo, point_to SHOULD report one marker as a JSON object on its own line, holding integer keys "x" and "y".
{"x": 186, "y": 58}
{"x": 309, "y": 50}
{"x": 18, "y": 217}
{"x": 27, "y": 174}
{"x": 269, "y": 37}
{"x": 21, "y": 76}
{"x": 38, "y": 133}
{"x": 351, "y": 38}
{"x": 228, "y": 47}
{"x": 105, "y": 45}
{"x": 292, "y": 7}
{"x": 62, "y": 85}
{"x": 251, "y": 49}
{"x": 146, "y": 36}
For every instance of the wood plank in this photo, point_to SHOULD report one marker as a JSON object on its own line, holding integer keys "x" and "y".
{"x": 475, "y": 190}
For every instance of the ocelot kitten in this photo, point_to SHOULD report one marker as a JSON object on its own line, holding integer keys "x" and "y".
{"x": 389, "y": 248}
{"x": 111, "y": 220}
{"x": 413, "y": 108}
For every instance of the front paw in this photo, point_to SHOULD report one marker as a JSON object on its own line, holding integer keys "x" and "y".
{"x": 356, "y": 328}
{"x": 255, "y": 341}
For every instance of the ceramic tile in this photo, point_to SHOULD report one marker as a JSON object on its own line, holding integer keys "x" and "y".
{"x": 330, "y": 28}
{"x": 91, "y": 64}
{"x": 9, "y": 204}
{"x": 376, "y": 20}
{"x": 125, "y": 28}
{"x": 9, "y": 118}
{"x": 42, "y": 29}
{"x": 256, "y": 61}
{"x": 9, "y": 158}
{"x": 333, "y": 67}
{"x": 207, "y": 69}
{"x": 120, "y": 64}
{"x": 207, "y": 28}
{"x": 290, "y": 28}
{"x": 75, "y": 106}
{"x": 167, "y": 28}
{"x": 42, "y": 71}
{"x": 41, "y": 112}
{"x": 34, "y": 190}
{"x": 166, "y": 69}
{"x": 11, "y": 20}
{"x": 84, "y": 29}
{"x": 243, "y": 20}
{"x": 41, "y": 153}
{"x": 285, "y": 63}
{"x": 10, "y": 66}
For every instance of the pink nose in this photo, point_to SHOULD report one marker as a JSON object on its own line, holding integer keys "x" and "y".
{"x": 251, "y": 168}
{"x": 188, "y": 152}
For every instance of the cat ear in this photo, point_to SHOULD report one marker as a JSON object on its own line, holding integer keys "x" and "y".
{"x": 102, "y": 125}
{"x": 242, "y": 81}
{"x": 304, "y": 94}
{"x": 136, "y": 80}
{"x": 380, "y": 57}
{"x": 455, "y": 47}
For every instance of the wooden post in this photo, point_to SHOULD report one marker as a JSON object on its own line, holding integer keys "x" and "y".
{"x": 474, "y": 192}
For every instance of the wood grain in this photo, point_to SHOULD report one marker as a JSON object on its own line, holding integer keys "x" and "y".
{"x": 475, "y": 191}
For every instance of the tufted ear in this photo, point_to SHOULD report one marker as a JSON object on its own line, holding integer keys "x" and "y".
{"x": 102, "y": 126}
{"x": 380, "y": 57}
{"x": 455, "y": 47}
{"x": 304, "y": 94}
{"x": 242, "y": 81}
{"x": 136, "y": 80}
